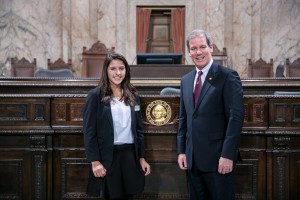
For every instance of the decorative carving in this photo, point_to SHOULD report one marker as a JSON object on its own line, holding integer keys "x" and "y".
{"x": 161, "y": 196}
{"x": 247, "y": 172}
{"x": 281, "y": 143}
{"x": 293, "y": 69}
{"x": 96, "y": 48}
{"x": 26, "y": 132}
{"x": 67, "y": 169}
{"x": 280, "y": 112}
{"x": 296, "y": 113}
{"x": 60, "y": 112}
{"x": 38, "y": 165}
{"x": 245, "y": 112}
{"x": 280, "y": 162}
{"x": 258, "y": 112}
{"x": 24, "y": 61}
{"x": 76, "y": 111}
{"x": 37, "y": 141}
{"x": 260, "y": 68}
{"x": 60, "y": 64}
{"x": 23, "y": 68}
{"x": 13, "y": 112}
{"x": 39, "y": 112}
{"x": 93, "y": 59}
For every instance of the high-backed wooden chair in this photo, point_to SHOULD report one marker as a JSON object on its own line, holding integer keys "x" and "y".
{"x": 220, "y": 56}
{"x": 93, "y": 59}
{"x": 293, "y": 69}
{"x": 59, "y": 64}
{"x": 23, "y": 68}
{"x": 260, "y": 68}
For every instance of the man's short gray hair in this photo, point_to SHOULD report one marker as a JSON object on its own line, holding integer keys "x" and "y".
{"x": 198, "y": 33}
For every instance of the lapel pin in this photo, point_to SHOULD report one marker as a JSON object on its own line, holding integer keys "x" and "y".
{"x": 210, "y": 78}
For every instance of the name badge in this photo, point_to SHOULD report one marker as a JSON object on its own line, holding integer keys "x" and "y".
{"x": 137, "y": 108}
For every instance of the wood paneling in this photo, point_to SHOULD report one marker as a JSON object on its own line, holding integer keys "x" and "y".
{"x": 42, "y": 153}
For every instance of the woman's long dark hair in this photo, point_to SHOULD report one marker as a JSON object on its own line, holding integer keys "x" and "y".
{"x": 129, "y": 91}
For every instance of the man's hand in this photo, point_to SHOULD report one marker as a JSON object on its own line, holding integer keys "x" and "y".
{"x": 182, "y": 161}
{"x": 225, "y": 166}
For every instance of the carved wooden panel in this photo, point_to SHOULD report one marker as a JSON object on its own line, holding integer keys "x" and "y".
{"x": 70, "y": 167}
{"x": 12, "y": 171}
{"x": 67, "y": 111}
{"x": 161, "y": 148}
{"x": 73, "y": 185}
{"x": 256, "y": 112}
{"x": 60, "y": 111}
{"x": 250, "y": 179}
{"x": 284, "y": 161}
{"x": 284, "y": 112}
{"x": 162, "y": 156}
{"x": 280, "y": 113}
{"x": 39, "y": 163}
{"x": 24, "y": 112}
{"x": 172, "y": 183}
{"x": 281, "y": 177}
{"x": 281, "y": 142}
{"x": 246, "y": 179}
{"x": 23, "y": 167}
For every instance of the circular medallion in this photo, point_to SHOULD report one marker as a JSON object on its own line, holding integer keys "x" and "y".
{"x": 158, "y": 112}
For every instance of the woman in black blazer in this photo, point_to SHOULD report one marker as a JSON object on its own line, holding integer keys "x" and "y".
{"x": 113, "y": 134}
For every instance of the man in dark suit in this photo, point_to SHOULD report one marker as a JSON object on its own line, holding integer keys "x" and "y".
{"x": 210, "y": 122}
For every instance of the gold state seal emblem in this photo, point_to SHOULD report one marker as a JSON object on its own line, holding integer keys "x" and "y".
{"x": 158, "y": 112}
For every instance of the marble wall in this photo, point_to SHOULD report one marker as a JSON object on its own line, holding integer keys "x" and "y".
{"x": 55, "y": 29}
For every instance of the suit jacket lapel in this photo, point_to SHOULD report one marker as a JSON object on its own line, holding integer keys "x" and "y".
{"x": 210, "y": 77}
{"x": 107, "y": 109}
{"x": 190, "y": 88}
{"x": 132, "y": 119}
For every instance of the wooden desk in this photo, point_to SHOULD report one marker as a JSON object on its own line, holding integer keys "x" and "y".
{"x": 42, "y": 154}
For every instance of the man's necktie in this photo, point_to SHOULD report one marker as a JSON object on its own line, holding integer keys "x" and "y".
{"x": 198, "y": 87}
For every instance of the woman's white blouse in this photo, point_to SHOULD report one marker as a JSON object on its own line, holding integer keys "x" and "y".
{"x": 121, "y": 115}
